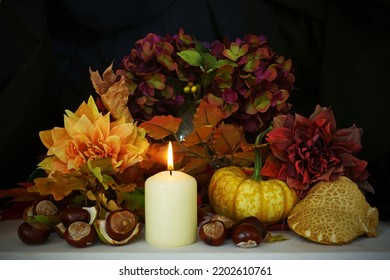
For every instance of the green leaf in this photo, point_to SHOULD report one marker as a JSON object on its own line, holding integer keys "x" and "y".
{"x": 37, "y": 173}
{"x": 49, "y": 220}
{"x": 102, "y": 178}
{"x": 134, "y": 200}
{"x": 209, "y": 61}
{"x": 192, "y": 57}
{"x": 96, "y": 171}
{"x": 222, "y": 62}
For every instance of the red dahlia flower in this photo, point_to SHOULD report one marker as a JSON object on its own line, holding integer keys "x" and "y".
{"x": 305, "y": 151}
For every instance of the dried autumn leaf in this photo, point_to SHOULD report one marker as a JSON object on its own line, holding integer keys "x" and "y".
{"x": 207, "y": 114}
{"x": 13, "y": 192}
{"x": 160, "y": 127}
{"x": 114, "y": 94}
{"x": 227, "y": 137}
{"x": 102, "y": 84}
{"x": 116, "y": 98}
{"x": 158, "y": 153}
{"x": 274, "y": 238}
{"x": 195, "y": 165}
{"x": 59, "y": 185}
{"x": 243, "y": 158}
{"x": 200, "y": 134}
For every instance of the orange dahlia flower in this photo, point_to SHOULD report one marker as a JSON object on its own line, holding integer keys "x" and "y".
{"x": 88, "y": 134}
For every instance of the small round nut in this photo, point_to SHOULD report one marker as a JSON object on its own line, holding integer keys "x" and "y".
{"x": 120, "y": 224}
{"x": 257, "y": 223}
{"x": 80, "y": 234}
{"x": 45, "y": 207}
{"x": 74, "y": 214}
{"x": 213, "y": 233}
{"x": 33, "y": 234}
{"x": 246, "y": 235}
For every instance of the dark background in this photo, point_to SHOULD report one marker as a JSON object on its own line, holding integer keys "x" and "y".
{"x": 340, "y": 52}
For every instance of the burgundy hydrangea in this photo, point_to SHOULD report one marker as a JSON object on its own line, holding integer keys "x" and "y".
{"x": 245, "y": 78}
{"x": 308, "y": 150}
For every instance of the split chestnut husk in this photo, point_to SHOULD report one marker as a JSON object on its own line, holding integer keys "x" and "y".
{"x": 118, "y": 228}
{"x": 120, "y": 224}
{"x": 75, "y": 214}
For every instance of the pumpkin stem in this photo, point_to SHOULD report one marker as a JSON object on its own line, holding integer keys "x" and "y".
{"x": 258, "y": 160}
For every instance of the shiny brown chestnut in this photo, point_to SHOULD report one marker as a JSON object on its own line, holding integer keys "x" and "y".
{"x": 33, "y": 233}
{"x": 120, "y": 224}
{"x": 74, "y": 214}
{"x": 257, "y": 223}
{"x": 213, "y": 233}
{"x": 45, "y": 207}
{"x": 80, "y": 234}
{"x": 246, "y": 235}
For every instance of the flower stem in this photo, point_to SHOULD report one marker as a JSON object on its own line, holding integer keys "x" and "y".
{"x": 258, "y": 160}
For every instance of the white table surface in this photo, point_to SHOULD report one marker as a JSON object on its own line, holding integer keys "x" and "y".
{"x": 11, "y": 248}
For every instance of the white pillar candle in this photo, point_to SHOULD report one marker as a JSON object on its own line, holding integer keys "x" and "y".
{"x": 171, "y": 218}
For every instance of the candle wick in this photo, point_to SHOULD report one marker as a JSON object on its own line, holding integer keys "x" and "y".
{"x": 170, "y": 172}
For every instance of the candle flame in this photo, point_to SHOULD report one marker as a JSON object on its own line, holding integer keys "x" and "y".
{"x": 170, "y": 157}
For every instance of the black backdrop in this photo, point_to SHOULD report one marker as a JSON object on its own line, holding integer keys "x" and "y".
{"x": 340, "y": 52}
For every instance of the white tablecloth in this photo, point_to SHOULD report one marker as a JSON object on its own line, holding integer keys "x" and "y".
{"x": 11, "y": 248}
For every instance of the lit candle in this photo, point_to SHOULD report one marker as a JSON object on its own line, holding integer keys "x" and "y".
{"x": 170, "y": 207}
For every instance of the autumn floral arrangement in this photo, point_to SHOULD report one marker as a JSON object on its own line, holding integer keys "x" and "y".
{"x": 211, "y": 100}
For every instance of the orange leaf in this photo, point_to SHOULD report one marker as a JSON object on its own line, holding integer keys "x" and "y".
{"x": 59, "y": 185}
{"x": 116, "y": 98}
{"x": 227, "y": 137}
{"x": 207, "y": 114}
{"x": 195, "y": 165}
{"x": 244, "y": 158}
{"x": 159, "y": 153}
{"x": 199, "y": 135}
{"x": 161, "y": 126}
{"x": 101, "y": 85}
{"x": 113, "y": 93}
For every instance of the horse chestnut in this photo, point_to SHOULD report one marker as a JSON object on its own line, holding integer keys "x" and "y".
{"x": 213, "y": 233}
{"x": 74, "y": 214}
{"x": 120, "y": 224}
{"x": 257, "y": 223}
{"x": 80, "y": 234}
{"x": 246, "y": 235}
{"x": 33, "y": 233}
{"x": 45, "y": 207}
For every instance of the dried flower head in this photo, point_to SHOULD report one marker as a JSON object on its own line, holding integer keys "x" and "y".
{"x": 88, "y": 135}
{"x": 309, "y": 150}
